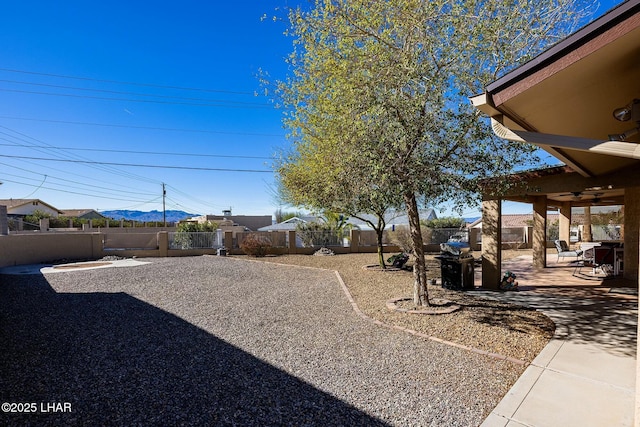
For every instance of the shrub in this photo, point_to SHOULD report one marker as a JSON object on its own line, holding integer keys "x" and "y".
{"x": 401, "y": 237}
{"x": 320, "y": 234}
{"x": 255, "y": 245}
{"x": 445, "y": 222}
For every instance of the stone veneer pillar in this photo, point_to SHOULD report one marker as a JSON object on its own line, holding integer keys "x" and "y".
{"x": 564, "y": 224}
{"x": 631, "y": 232}
{"x": 539, "y": 232}
{"x": 491, "y": 243}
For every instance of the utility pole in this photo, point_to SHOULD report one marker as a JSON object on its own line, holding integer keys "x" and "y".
{"x": 164, "y": 209}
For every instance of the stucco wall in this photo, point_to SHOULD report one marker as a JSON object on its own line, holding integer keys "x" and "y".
{"x": 46, "y": 247}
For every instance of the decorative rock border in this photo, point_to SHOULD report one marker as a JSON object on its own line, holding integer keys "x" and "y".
{"x": 440, "y": 306}
{"x": 376, "y": 267}
{"x": 77, "y": 266}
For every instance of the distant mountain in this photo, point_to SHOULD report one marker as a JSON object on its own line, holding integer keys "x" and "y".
{"x": 172, "y": 215}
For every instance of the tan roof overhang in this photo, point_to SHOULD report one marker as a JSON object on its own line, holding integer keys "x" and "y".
{"x": 563, "y": 100}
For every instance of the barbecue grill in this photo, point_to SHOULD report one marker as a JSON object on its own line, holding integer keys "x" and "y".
{"x": 456, "y": 266}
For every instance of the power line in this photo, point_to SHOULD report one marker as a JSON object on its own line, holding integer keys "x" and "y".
{"x": 107, "y": 169}
{"x": 127, "y": 83}
{"x": 141, "y": 127}
{"x": 93, "y": 187}
{"x": 117, "y": 92}
{"x": 79, "y": 193}
{"x": 152, "y": 101}
{"x": 139, "y": 152}
{"x": 139, "y": 165}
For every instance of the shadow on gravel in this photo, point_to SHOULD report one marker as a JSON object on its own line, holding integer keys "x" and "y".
{"x": 118, "y": 360}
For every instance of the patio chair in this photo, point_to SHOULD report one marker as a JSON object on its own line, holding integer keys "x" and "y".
{"x": 564, "y": 250}
{"x": 600, "y": 264}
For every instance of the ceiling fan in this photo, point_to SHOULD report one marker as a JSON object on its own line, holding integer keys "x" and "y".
{"x": 576, "y": 195}
{"x": 596, "y": 199}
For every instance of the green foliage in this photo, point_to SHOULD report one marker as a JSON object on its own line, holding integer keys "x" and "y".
{"x": 256, "y": 245}
{"x": 606, "y": 218}
{"x": 553, "y": 230}
{"x": 377, "y": 103}
{"x": 444, "y": 222}
{"x": 183, "y": 237}
{"x": 281, "y": 215}
{"x": 195, "y": 227}
{"x": 320, "y": 234}
{"x": 36, "y": 216}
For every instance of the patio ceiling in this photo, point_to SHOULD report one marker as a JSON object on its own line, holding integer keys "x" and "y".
{"x": 563, "y": 101}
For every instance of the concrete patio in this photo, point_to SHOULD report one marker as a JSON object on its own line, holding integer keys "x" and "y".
{"x": 585, "y": 376}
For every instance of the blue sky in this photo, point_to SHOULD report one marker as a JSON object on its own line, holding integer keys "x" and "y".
{"x": 96, "y": 85}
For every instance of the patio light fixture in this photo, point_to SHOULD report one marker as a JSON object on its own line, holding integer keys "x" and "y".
{"x": 628, "y": 112}
{"x": 631, "y": 111}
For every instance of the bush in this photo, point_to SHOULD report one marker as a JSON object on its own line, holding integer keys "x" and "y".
{"x": 255, "y": 245}
{"x": 444, "y": 222}
{"x": 315, "y": 234}
{"x": 401, "y": 237}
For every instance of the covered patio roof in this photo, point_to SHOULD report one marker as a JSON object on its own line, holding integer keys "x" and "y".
{"x": 563, "y": 101}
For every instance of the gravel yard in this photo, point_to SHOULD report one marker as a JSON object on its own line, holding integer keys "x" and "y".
{"x": 223, "y": 341}
{"x": 488, "y": 325}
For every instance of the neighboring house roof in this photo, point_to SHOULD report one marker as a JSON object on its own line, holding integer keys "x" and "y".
{"x": 16, "y": 203}
{"x": 391, "y": 219}
{"x": 290, "y": 224}
{"x": 82, "y": 213}
{"x": 526, "y": 220}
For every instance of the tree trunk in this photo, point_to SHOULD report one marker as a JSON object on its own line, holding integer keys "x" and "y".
{"x": 379, "y": 234}
{"x": 420, "y": 294}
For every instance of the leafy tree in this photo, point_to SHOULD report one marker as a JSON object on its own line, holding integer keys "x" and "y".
{"x": 183, "y": 236}
{"x": 36, "y": 216}
{"x": 281, "y": 215}
{"x": 329, "y": 232}
{"x": 378, "y": 98}
{"x": 195, "y": 227}
{"x": 445, "y": 222}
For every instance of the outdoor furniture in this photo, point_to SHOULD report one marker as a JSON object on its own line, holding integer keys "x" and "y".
{"x": 604, "y": 260}
{"x": 564, "y": 250}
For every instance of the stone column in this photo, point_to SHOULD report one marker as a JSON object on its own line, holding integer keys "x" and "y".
{"x": 631, "y": 260}
{"x": 631, "y": 232}
{"x": 565, "y": 222}
{"x": 491, "y": 243}
{"x": 540, "y": 232}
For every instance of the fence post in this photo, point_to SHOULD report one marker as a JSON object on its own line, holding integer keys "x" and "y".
{"x": 228, "y": 240}
{"x": 4, "y": 221}
{"x": 473, "y": 238}
{"x": 97, "y": 245}
{"x": 44, "y": 224}
{"x": 292, "y": 242}
{"x": 355, "y": 241}
{"x": 163, "y": 243}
